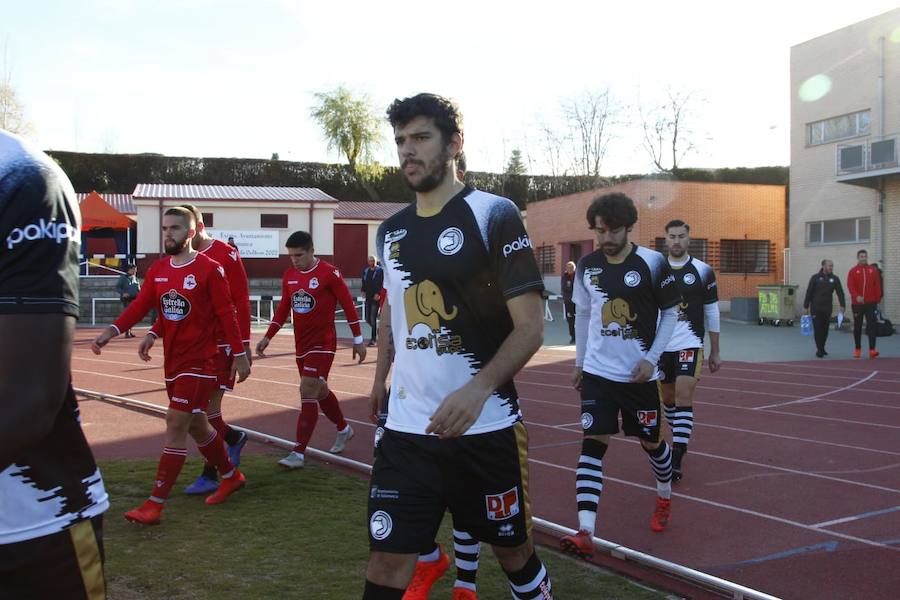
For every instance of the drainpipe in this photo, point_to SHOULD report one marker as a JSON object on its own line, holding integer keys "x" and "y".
{"x": 159, "y": 229}
{"x": 881, "y": 194}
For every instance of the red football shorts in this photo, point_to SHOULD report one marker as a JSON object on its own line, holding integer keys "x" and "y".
{"x": 223, "y": 361}
{"x": 190, "y": 392}
{"x": 315, "y": 363}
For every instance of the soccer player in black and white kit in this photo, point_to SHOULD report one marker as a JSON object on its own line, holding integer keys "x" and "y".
{"x": 683, "y": 359}
{"x": 463, "y": 311}
{"x": 52, "y": 497}
{"x": 621, "y": 291}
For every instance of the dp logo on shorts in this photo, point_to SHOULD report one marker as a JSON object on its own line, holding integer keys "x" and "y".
{"x": 647, "y": 418}
{"x": 424, "y": 304}
{"x": 502, "y": 506}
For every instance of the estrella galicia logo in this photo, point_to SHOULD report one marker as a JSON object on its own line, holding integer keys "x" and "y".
{"x": 174, "y": 306}
{"x": 380, "y": 525}
{"x": 689, "y": 279}
{"x": 302, "y": 302}
{"x": 632, "y": 278}
{"x": 450, "y": 241}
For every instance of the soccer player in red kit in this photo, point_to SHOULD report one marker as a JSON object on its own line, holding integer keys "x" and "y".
{"x": 236, "y": 276}
{"x": 311, "y": 289}
{"x": 191, "y": 294}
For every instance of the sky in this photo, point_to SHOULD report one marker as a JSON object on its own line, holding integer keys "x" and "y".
{"x": 237, "y": 78}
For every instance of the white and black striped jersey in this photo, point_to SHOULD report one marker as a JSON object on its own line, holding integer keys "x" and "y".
{"x": 622, "y": 301}
{"x": 448, "y": 277}
{"x": 697, "y": 282}
{"x": 55, "y": 482}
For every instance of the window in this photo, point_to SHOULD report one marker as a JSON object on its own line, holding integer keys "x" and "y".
{"x": 838, "y": 231}
{"x": 699, "y": 248}
{"x": 574, "y": 252}
{"x": 745, "y": 256}
{"x": 546, "y": 258}
{"x": 208, "y": 220}
{"x": 273, "y": 221}
{"x": 838, "y": 128}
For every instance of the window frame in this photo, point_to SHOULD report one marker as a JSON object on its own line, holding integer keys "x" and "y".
{"x": 822, "y": 223}
{"x": 264, "y": 216}
{"x": 858, "y": 128}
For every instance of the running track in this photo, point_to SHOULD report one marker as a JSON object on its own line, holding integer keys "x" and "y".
{"x": 792, "y": 482}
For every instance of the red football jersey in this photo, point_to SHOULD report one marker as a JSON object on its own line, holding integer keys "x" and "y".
{"x": 236, "y": 276}
{"x": 193, "y": 301}
{"x": 312, "y": 297}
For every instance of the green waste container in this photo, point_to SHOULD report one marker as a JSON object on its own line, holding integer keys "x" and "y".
{"x": 777, "y": 304}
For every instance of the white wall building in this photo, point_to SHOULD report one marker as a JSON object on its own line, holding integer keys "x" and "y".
{"x": 845, "y": 145}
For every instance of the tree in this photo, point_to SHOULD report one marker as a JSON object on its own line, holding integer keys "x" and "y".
{"x": 590, "y": 115}
{"x": 666, "y": 137}
{"x": 274, "y": 156}
{"x": 12, "y": 111}
{"x": 516, "y": 166}
{"x": 352, "y": 127}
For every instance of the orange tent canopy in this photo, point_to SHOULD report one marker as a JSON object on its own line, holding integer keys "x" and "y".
{"x": 97, "y": 214}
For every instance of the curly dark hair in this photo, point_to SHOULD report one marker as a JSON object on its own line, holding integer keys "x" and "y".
{"x": 444, "y": 112}
{"x": 615, "y": 210}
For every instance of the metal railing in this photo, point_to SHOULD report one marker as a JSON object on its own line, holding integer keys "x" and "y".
{"x": 703, "y": 580}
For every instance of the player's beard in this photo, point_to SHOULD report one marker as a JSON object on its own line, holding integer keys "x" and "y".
{"x": 677, "y": 252}
{"x": 436, "y": 173}
{"x": 611, "y": 249}
{"x": 174, "y": 247}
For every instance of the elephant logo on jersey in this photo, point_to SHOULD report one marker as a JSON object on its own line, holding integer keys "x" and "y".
{"x": 450, "y": 241}
{"x": 302, "y": 302}
{"x": 689, "y": 279}
{"x": 617, "y": 311}
{"x": 424, "y": 304}
{"x": 174, "y": 306}
{"x": 682, "y": 311}
{"x": 189, "y": 282}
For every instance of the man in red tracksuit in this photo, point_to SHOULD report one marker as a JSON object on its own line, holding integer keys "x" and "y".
{"x": 190, "y": 292}
{"x": 310, "y": 292}
{"x": 864, "y": 285}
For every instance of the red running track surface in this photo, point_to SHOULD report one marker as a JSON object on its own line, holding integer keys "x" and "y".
{"x": 791, "y": 486}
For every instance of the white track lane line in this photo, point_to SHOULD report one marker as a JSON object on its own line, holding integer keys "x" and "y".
{"x": 822, "y": 395}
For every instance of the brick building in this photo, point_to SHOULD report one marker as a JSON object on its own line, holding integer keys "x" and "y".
{"x": 739, "y": 229}
{"x": 845, "y": 132}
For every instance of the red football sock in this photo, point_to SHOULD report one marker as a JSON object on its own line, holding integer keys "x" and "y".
{"x": 306, "y": 423}
{"x": 218, "y": 423}
{"x": 213, "y": 450}
{"x": 170, "y": 464}
{"x": 332, "y": 410}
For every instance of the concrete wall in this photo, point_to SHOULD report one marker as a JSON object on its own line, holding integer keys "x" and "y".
{"x": 850, "y": 59}
{"x": 714, "y": 211}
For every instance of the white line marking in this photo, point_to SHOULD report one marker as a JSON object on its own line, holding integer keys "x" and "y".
{"x": 822, "y": 395}
{"x": 730, "y": 507}
{"x": 858, "y": 517}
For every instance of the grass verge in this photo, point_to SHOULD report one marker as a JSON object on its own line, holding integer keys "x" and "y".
{"x": 299, "y": 534}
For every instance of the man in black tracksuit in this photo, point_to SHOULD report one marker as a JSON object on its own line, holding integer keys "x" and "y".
{"x": 822, "y": 286}
{"x": 372, "y": 282}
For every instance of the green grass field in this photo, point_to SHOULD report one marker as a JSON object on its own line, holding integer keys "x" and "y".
{"x": 299, "y": 534}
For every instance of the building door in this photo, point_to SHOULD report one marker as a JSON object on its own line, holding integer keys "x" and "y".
{"x": 351, "y": 242}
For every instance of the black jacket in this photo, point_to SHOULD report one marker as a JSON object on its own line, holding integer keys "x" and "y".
{"x": 372, "y": 281}
{"x": 820, "y": 290}
{"x": 566, "y": 283}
